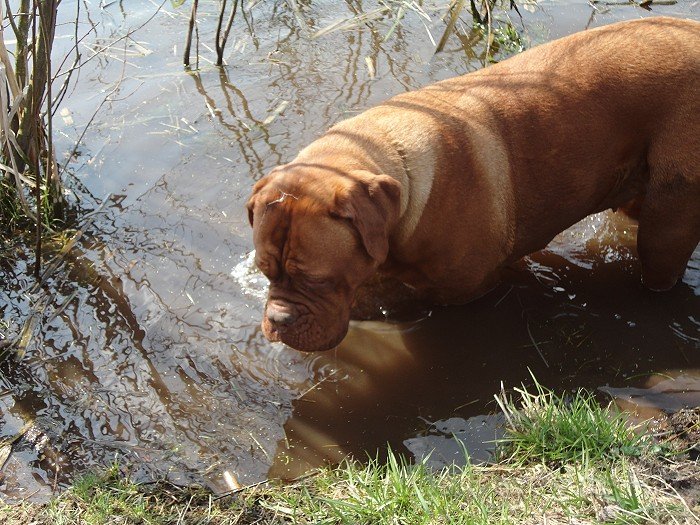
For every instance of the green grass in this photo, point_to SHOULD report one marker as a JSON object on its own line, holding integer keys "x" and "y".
{"x": 545, "y": 427}
{"x": 14, "y": 219}
{"x": 11, "y": 215}
{"x": 98, "y": 493}
{"x": 611, "y": 476}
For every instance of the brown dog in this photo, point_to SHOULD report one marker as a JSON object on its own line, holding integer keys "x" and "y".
{"x": 444, "y": 186}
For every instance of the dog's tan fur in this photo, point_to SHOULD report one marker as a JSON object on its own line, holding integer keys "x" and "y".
{"x": 442, "y": 187}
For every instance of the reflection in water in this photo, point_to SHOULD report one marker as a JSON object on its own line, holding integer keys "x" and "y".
{"x": 150, "y": 350}
{"x": 670, "y": 392}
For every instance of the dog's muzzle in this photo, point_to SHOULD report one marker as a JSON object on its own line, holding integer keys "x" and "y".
{"x": 280, "y": 314}
{"x": 304, "y": 330}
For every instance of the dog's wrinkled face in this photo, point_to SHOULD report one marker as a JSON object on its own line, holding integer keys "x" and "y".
{"x": 317, "y": 238}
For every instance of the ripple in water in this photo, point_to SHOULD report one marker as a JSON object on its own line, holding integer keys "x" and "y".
{"x": 252, "y": 282}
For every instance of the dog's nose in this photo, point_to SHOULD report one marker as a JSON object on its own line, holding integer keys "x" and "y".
{"x": 280, "y": 314}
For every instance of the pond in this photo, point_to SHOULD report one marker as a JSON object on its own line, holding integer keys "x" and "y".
{"x": 144, "y": 346}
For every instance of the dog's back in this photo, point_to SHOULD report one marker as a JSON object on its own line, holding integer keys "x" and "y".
{"x": 596, "y": 120}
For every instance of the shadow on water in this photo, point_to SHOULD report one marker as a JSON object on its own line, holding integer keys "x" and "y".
{"x": 149, "y": 351}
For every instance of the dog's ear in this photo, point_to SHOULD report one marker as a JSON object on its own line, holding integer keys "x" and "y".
{"x": 372, "y": 204}
{"x": 250, "y": 205}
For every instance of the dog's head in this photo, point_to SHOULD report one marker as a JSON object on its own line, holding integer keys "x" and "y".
{"x": 319, "y": 233}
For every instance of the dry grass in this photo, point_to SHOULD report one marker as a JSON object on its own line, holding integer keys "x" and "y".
{"x": 621, "y": 492}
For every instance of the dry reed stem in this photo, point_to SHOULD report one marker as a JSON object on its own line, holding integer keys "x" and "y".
{"x": 455, "y": 11}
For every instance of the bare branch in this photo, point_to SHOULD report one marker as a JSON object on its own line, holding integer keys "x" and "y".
{"x": 221, "y": 39}
{"x": 188, "y": 42}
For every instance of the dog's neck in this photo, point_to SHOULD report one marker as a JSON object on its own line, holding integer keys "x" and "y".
{"x": 403, "y": 175}
{"x": 415, "y": 173}
{"x": 407, "y": 157}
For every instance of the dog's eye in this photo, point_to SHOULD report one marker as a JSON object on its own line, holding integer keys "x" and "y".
{"x": 262, "y": 265}
{"x": 268, "y": 268}
{"x": 317, "y": 281}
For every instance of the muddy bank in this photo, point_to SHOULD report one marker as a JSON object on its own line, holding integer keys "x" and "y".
{"x": 660, "y": 487}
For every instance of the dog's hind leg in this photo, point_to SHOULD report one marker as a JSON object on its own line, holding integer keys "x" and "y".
{"x": 669, "y": 223}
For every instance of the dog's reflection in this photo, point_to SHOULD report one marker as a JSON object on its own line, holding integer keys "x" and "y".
{"x": 398, "y": 384}
{"x": 352, "y": 402}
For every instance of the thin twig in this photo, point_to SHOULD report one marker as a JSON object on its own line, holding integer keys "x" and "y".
{"x": 46, "y": 29}
{"x": 221, "y": 44}
{"x": 5, "y": 58}
{"x": 489, "y": 25}
{"x": 534, "y": 343}
{"x": 127, "y": 35}
{"x": 11, "y": 19}
{"x": 318, "y": 383}
{"x": 76, "y": 61}
{"x": 87, "y": 126}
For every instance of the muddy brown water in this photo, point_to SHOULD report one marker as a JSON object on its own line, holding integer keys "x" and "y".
{"x": 148, "y": 350}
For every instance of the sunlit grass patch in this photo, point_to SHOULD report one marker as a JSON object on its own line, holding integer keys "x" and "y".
{"x": 542, "y": 426}
{"x": 390, "y": 492}
{"x": 100, "y": 498}
{"x": 112, "y": 497}
{"x": 398, "y": 492}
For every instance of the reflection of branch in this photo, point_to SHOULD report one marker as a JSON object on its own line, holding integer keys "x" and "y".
{"x": 379, "y": 45}
{"x": 297, "y": 14}
{"x": 87, "y": 126}
{"x": 128, "y": 34}
{"x": 241, "y": 130}
{"x": 76, "y": 62}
